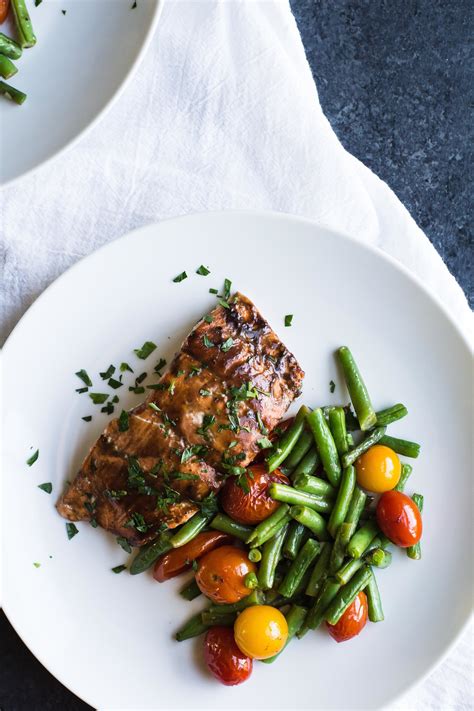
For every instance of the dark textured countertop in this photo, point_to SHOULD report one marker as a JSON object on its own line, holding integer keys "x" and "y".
{"x": 394, "y": 80}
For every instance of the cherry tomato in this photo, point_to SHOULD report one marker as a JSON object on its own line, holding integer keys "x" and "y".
{"x": 261, "y": 631}
{"x": 399, "y": 518}
{"x": 224, "y": 659}
{"x": 4, "y": 7}
{"x": 378, "y": 469}
{"x": 180, "y": 559}
{"x": 221, "y": 574}
{"x": 352, "y": 621}
{"x": 254, "y": 505}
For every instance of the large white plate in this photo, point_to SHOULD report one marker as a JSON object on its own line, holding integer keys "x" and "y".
{"x": 109, "y": 637}
{"x": 79, "y": 65}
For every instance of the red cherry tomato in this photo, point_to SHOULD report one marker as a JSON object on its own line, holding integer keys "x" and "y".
{"x": 180, "y": 559}
{"x": 254, "y": 505}
{"x": 4, "y": 7}
{"x": 224, "y": 659}
{"x": 399, "y": 518}
{"x": 352, "y": 621}
{"x": 221, "y": 574}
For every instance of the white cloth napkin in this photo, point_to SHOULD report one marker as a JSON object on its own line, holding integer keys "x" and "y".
{"x": 223, "y": 113}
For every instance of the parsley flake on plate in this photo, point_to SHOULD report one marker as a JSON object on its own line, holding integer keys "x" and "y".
{"x": 87, "y": 418}
{"x": 180, "y": 277}
{"x": 82, "y": 375}
{"x": 332, "y": 386}
{"x": 47, "y": 487}
{"x": 98, "y": 398}
{"x": 33, "y": 458}
{"x": 288, "y": 319}
{"x": 146, "y": 350}
{"x": 202, "y": 270}
{"x": 106, "y": 374}
{"x": 71, "y": 530}
{"x": 119, "y": 568}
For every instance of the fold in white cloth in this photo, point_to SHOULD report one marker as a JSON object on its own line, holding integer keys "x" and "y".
{"x": 222, "y": 114}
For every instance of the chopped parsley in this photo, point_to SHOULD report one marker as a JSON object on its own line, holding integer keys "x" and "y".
{"x": 207, "y": 342}
{"x": 119, "y": 568}
{"x": 115, "y": 384}
{"x": 64, "y": 11}
{"x": 159, "y": 366}
{"x": 204, "y": 393}
{"x": 82, "y": 375}
{"x": 207, "y": 421}
{"x": 146, "y": 350}
{"x": 209, "y": 505}
{"x": 37, "y": 565}
{"x": 154, "y": 386}
{"x": 87, "y": 418}
{"x": 134, "y": 4}
{"x": 224, "y": 304}
{"x": 202, "y": 270}
{"x": 47, "y": 487}
{"x": 115, "y": 494}
{"x": 227, "y": 288}
{"x": 138, "y": 523}
{"x": 171, "y": 387}
{"x": 108, "y": 409}
{"x": 227, "y": 345}
{"x": 261, "y": 426}
{"x": 38, "y": 2}
{"x": 33, "y": 458}
{"x": 71, "y": 530}
{"x": 137, "y": 391}
{"x": 191, "y": 452}
{"x": 124, "y": 367}
{"x": 82, "y": 390}
{"x": 115, "y": 398}
{"x": 154, "y": 406}
{"x": 264, "y": 443}
{"x": 98, "y": 398}
{"x": 107, "y": 373}
{"x": 123, "y": 423}
{"x": 288, "y": 319}
{"x": 213, "y": 291}
{"x": 140, "y": 378}
{"x": 332, "y": 386}
{"x": 180, "y": 277}
{"x": 124, "y": 544}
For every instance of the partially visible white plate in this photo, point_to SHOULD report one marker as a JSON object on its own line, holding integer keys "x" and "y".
{"x": 109, "y": 637}
{"x": 80, "y": 64}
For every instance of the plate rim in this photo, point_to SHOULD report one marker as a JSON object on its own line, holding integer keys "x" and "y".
{"x": 279, "y": 216}
{"x": 12, "y": 182}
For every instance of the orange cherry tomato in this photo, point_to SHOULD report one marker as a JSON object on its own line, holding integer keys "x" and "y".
{"x": 254, "y": 505}
{"x": 399, "y": 518}
{"x": 352, "y": 621}
{"x": 223, "y": 657}
{"x": 4, "y": 7}
{"x": 378, "y": 469}
{"x": 261, "y": 631}
{"x": 180, "y": 559}
{"x": 221, "y": 574}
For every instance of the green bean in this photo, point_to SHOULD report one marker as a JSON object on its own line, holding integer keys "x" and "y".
{"x": 251, "y": 581}
{"x": 308, "y": 464}
{"x": 287, "y": 440}
{"x": 190, "y": 530}
{"x": 270, "y": 558}
{"x": 317, "y": 613}
{"x": 350, "y": 440}
{"x": 343, "y": 500}
{"x": 255, "y": 555}
{"x": 414, "y": 552}
{"x": 339, "y": 548}
{"x": 9, "y": 91}
{"x": 23, "y": 23}
{"x": 374, "y": 603}
{"x": 209, "y": 619}
{"x": 319, "y": 572}
{"x": 337, "y": 425}
{"x": 345, "y": 573}
{"x": 375, "y": 436}
{"x": 379, "y": 558}
{"x": 353, "y": 514}
{"x": 299, "y": 567}
{"x": 402, "y": 446}
{"x": 224, "y": 523}
{"x": 405, "y": 473}
{"x": 314, "y": 485}
{"x": 9, "y": 47}
{"x": 268, "y": 523}
{"x": 192, "y": 628}
{"x": 347, "y": 594}
{"x": 8, "y": 69}
{"x": 311, "y": 519}
{"x": 295, "y": 618}
{"x": 294, "y": 540}
{"x": 147, "y": 555}
{"x": 256, "y": 597}
{"x": 301, "y": 448}
{"x": 295, "y": 497}
{"x": 391, "y": 414}
{"x": 357, "y": 390}
{"x": 190, "y": 590}
{"x": 362, "y": 539}
{"x": 325, "y": 445}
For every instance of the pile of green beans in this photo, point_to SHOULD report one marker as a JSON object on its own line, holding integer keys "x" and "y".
{"x": 12, "y": 50}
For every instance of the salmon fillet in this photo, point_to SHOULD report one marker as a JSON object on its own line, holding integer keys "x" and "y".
{"x": 228, "y": 387}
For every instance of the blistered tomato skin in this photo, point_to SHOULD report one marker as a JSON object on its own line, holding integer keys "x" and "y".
{"x": 378, "y": 469}
{"x": 261, "y": 631}
{"x": 223, "y": 657}
{"x": 352, "y": 621}
{"x": 221, "y": 574}
{"x": 255, "y": 505}
{"x": 399, "y": 518}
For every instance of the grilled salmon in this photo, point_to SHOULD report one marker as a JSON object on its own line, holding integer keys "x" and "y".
{"x": 227, "y": 388}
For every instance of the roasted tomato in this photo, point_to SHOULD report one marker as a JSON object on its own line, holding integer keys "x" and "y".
{"x": 4, "y": 7}
{"x": 352, "y": 621}
{"x": 261, "y": 631}
{"x": 399, "y": 518}
{"x": 251, "y": 503}
{"x": 223, "y": 657}
{"x": 180, "y": 559}
{"x": 221, "y": 574}
{"x": 378, "y": 469}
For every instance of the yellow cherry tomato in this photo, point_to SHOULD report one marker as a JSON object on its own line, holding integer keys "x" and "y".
{"x": 260, "y": 631}
{"x": 378, "y": 469}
